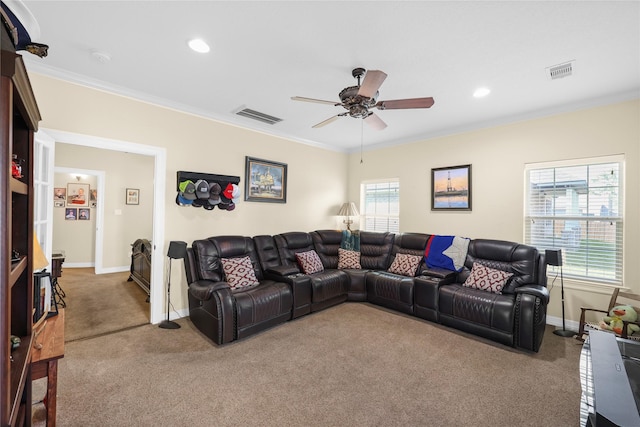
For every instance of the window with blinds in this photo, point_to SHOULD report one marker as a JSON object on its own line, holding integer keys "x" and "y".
{"x": 380, "y": 206}
{"x": 578, "y": 207}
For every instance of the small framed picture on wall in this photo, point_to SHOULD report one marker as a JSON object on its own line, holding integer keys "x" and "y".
{"x": 71, "y": 214}
{"x": 84, "y": 214}
{"x": 77, "y": 194}
{"x": 133, "y": 196}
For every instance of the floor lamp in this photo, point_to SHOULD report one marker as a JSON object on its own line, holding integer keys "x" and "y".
{"x": 554, "y": 257}
{"x": 177, "y": 250}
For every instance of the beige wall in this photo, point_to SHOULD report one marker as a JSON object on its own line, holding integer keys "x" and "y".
{"x": 122, "y": 223}
{"x": 316, "y": 177}
{"x": 498, "y": 156}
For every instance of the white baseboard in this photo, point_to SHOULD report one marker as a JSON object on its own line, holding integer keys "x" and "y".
{"x": 78, "y": 264}
{"x": 175, "y": 314}
{"x": 571, "y": 325}
{"x": 91, "y": 264}
{"x": 115, "y": 269}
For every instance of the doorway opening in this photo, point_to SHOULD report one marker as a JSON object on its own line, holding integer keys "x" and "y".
{"x": 158, "y": 217}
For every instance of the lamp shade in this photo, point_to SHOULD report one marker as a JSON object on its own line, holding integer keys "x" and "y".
{"x": 39, "y": 259}
{"x": 348, "y": 209}
{"x": 177, "y": 249}
{"x": 553, "y": 257}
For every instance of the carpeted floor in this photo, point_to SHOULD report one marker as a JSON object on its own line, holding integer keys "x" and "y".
{"x": 99, "y": 304}
{"x": 351, "y": 365}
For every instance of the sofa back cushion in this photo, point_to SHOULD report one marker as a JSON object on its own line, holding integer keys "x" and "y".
{"x": 267, "y": 251}
{"x": 208, "y": 254}
{"x": 327, "y": 243}
{"x": 411, "y": 244}
{"x": 516, "y": 258}
{"x": 289, "y": 244}
{"x": 375, "y": 250}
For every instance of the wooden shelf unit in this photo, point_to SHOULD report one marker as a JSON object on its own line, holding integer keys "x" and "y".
{"x": 19, "y": 117}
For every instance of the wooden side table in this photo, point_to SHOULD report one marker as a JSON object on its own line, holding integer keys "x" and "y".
{"x": 48, "y": 347}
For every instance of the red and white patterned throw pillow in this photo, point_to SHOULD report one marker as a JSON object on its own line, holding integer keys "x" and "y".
{"x": 348, "y": 259}
{"x": 239, "y": 272}
{"x": 487, "y": 278}
{"x": 405, "y": 264}
{"x": 309, "y": 262}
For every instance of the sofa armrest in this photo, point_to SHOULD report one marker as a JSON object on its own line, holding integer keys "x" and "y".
{"x": 300, "y": 286}
{"x": 530, "y": 316}
{"x": 535, "y": 290}
{"x": 282, "y": 270}
{"x": 204, "y": 289}
{"x": 439, "y": 273}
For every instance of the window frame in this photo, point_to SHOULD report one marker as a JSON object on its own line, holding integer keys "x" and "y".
{"x": 388, "y": 217}
{"x": 589, "y": 219}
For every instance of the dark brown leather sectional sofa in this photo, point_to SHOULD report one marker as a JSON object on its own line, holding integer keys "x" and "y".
{"x": 515, "y": 317}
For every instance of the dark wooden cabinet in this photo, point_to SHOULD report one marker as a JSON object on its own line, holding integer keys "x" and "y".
{"x": 19, "y": 117}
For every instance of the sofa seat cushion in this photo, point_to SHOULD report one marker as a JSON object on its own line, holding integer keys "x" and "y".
{"x": 390, "y": 290}
{"x": 490, "y": 310}
{"x": 329, "y": 284}
{"x": 260, "y": 303}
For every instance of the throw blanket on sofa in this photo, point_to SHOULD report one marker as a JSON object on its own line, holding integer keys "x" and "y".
{"x": 350, "y": 240}
{"x": 446, "y": 252}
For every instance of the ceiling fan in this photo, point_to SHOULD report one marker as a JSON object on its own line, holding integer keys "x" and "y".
{"x": 357, "y": 100}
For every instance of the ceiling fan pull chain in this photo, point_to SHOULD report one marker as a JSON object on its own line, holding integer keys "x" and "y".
{"x": 361, "y": 138}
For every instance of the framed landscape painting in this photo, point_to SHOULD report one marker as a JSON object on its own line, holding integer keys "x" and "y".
{"x": 265, "y": 181}
{"x": 451, "y": 188}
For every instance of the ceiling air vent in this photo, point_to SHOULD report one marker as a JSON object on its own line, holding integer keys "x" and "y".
{"x": 561, "y": 70}
{"x": 256, "y": 115}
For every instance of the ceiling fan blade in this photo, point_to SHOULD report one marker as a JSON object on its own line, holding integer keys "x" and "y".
{"x": 317, "y": 101}
{"x": 397, "y": 104}
{"x": 329, "y": 120}
{"x": 375, "y": 122}
{"x": 372, "y": 82}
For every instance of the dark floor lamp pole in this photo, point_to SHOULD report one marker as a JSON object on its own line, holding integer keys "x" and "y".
{"x": 177, "y": 250}
{"x": 554, "y": 257}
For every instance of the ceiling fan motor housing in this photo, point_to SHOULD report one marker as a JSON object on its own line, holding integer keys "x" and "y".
{"x": 357, "y": 105}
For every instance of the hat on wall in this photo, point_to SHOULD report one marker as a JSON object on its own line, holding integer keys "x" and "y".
{"x": 188, "y": 189}
{"x": 202, "y": 189}
{"x": 228, "y": 191}
{"x": 235, "y": 193}
{"x": 181, "y": 201}
{"x": 214, "y": 193}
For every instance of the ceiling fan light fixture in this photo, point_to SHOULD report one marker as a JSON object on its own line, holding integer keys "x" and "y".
{"x": 199, "y": 45}
{"x": 481, "y": 92}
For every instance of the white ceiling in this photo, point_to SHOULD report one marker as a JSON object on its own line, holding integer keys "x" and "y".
{"x": 265, "y": 52}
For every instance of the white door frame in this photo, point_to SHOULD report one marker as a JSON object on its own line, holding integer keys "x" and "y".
{"x": 159, "y": 176}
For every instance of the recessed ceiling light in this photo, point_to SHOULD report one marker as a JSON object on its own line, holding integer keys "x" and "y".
{"x": 481, "y": 92}
{"x": 199, "y": 45}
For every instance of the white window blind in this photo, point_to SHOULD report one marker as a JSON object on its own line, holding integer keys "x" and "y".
{"x": 577, "y": 207}
{"x": 380, "y": 202}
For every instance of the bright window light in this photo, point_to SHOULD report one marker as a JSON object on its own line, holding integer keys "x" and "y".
{"x": 199, "y": 45}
